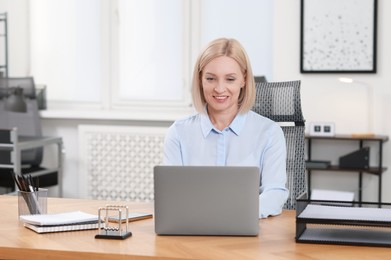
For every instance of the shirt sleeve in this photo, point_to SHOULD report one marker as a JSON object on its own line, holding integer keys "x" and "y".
{"x": 172, "y": 152}
{"x": 273, "y": 191}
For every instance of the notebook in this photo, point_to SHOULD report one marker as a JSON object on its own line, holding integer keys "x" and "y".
{"x": 58, "y": 218}
{"x": 206, "y": 200}
{"x": 59, "y": 222}
{"x": 65, "y": 227}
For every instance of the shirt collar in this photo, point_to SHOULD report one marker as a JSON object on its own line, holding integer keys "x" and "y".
{"x": 238, "y": 123}
{"x": 236, "y": 126}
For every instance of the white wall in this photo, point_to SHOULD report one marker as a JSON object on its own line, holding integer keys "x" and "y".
{"x": 248, "y": 21}
{"x": 324, "y": 98}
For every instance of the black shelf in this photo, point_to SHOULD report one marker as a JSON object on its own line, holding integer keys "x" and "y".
{"x": 371, "y": 170}
{"x": 375, "y": 170}
{"x": 351, "y": 137}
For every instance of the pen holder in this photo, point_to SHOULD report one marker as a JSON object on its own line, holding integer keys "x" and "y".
{"x": 30, "y": 203}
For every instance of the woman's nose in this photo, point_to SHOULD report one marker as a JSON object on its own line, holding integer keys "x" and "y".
{"x": 220, "y": 87}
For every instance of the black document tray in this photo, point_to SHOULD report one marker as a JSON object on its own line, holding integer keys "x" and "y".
{"x": 356, "y": 223}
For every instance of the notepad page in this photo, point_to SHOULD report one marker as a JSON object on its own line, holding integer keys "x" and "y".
{"x": 58, "y": 219}
{"x": 345, "y": 213}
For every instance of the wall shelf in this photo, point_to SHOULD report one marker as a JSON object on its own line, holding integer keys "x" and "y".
{"x": 371, "y": 170}
{"x": 375, "y": 170}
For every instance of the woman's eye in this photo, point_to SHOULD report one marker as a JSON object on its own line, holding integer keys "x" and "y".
{"x": 231, "y": 79}
{"x": 209, "y": 78}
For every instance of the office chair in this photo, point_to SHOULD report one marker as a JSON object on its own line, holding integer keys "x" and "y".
{"x": 280, "y": 101}
{"x": 259, "y": 79}
{"x": 27, "y": 124}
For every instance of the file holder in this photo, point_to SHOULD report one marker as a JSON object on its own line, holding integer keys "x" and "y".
{"x": 110, "y": 230}
{"x": 343, "y": 222}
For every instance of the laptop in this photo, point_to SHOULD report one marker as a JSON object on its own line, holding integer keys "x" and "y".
{"x": 206, "y": 200}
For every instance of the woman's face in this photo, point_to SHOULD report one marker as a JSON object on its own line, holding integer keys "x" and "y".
{"x": 222, "y": 80}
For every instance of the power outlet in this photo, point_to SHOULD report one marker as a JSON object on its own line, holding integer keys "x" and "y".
{"x": 322, "y": 129}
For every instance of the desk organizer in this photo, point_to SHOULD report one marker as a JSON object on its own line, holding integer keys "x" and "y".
{"x": 343, "y": 222}
{"x": 109, "y": 231}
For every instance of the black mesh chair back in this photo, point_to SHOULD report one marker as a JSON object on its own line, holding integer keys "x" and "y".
{"x": 280, "y": 101}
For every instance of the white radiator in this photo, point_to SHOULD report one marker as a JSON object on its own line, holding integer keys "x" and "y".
{"x": 117, "y": 161}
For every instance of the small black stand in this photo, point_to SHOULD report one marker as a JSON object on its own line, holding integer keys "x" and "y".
{"x": 113, "y": 235}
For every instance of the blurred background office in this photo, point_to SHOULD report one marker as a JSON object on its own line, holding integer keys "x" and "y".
{"x": 118, "y": 73}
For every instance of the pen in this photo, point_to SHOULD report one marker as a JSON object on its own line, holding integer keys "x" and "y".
{"x": 30, "y": 183}
{"x": 16, "y": 180}
{"x": 23, "y": 182}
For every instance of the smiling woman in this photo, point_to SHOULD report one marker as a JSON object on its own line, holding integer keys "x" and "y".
{"x": 225, "y": 132}
{"x": 222, "y": 81}
{"x": 211, "y": 69}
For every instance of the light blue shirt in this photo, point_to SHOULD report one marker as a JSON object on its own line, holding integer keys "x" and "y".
{"x": 250, "y": 140}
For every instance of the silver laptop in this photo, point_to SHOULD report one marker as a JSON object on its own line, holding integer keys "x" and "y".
{"x": 206, "y": 200}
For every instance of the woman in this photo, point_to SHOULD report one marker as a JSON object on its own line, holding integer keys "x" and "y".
{"x": 225, "y": 131}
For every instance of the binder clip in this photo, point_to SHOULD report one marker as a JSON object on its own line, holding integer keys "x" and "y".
{"x": 113, "y": 230}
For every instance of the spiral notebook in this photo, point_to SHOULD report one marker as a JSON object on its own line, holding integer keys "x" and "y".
{"x": 58, "y": 218}
{"x": 62, "y": 228}
{"x": 68, "y": 221}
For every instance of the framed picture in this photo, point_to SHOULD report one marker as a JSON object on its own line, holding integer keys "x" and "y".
{"x": 338, "y": 36}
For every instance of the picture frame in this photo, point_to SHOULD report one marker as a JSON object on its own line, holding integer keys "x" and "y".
{"x": 338, "y": 36}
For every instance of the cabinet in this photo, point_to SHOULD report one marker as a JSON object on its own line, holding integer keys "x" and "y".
{"x": 3, "y": 45}
{"x": 377, "y": 169}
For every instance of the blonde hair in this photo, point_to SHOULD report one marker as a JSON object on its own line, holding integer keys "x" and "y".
{"x": 233, "y": 49}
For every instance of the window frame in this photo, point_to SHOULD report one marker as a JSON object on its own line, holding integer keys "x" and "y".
{"x": 115, "y": 99}
{"x": 110, "y": 100}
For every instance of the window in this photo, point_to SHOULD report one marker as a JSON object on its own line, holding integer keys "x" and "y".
{"x": 65, "y": 49}
{"x": 137, "y": 53}
{"x": 149, "y": 51}
{"x": 112, "y": 53}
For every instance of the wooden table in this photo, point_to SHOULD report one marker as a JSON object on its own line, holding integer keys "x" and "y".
{"x": 275, "y": 241}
